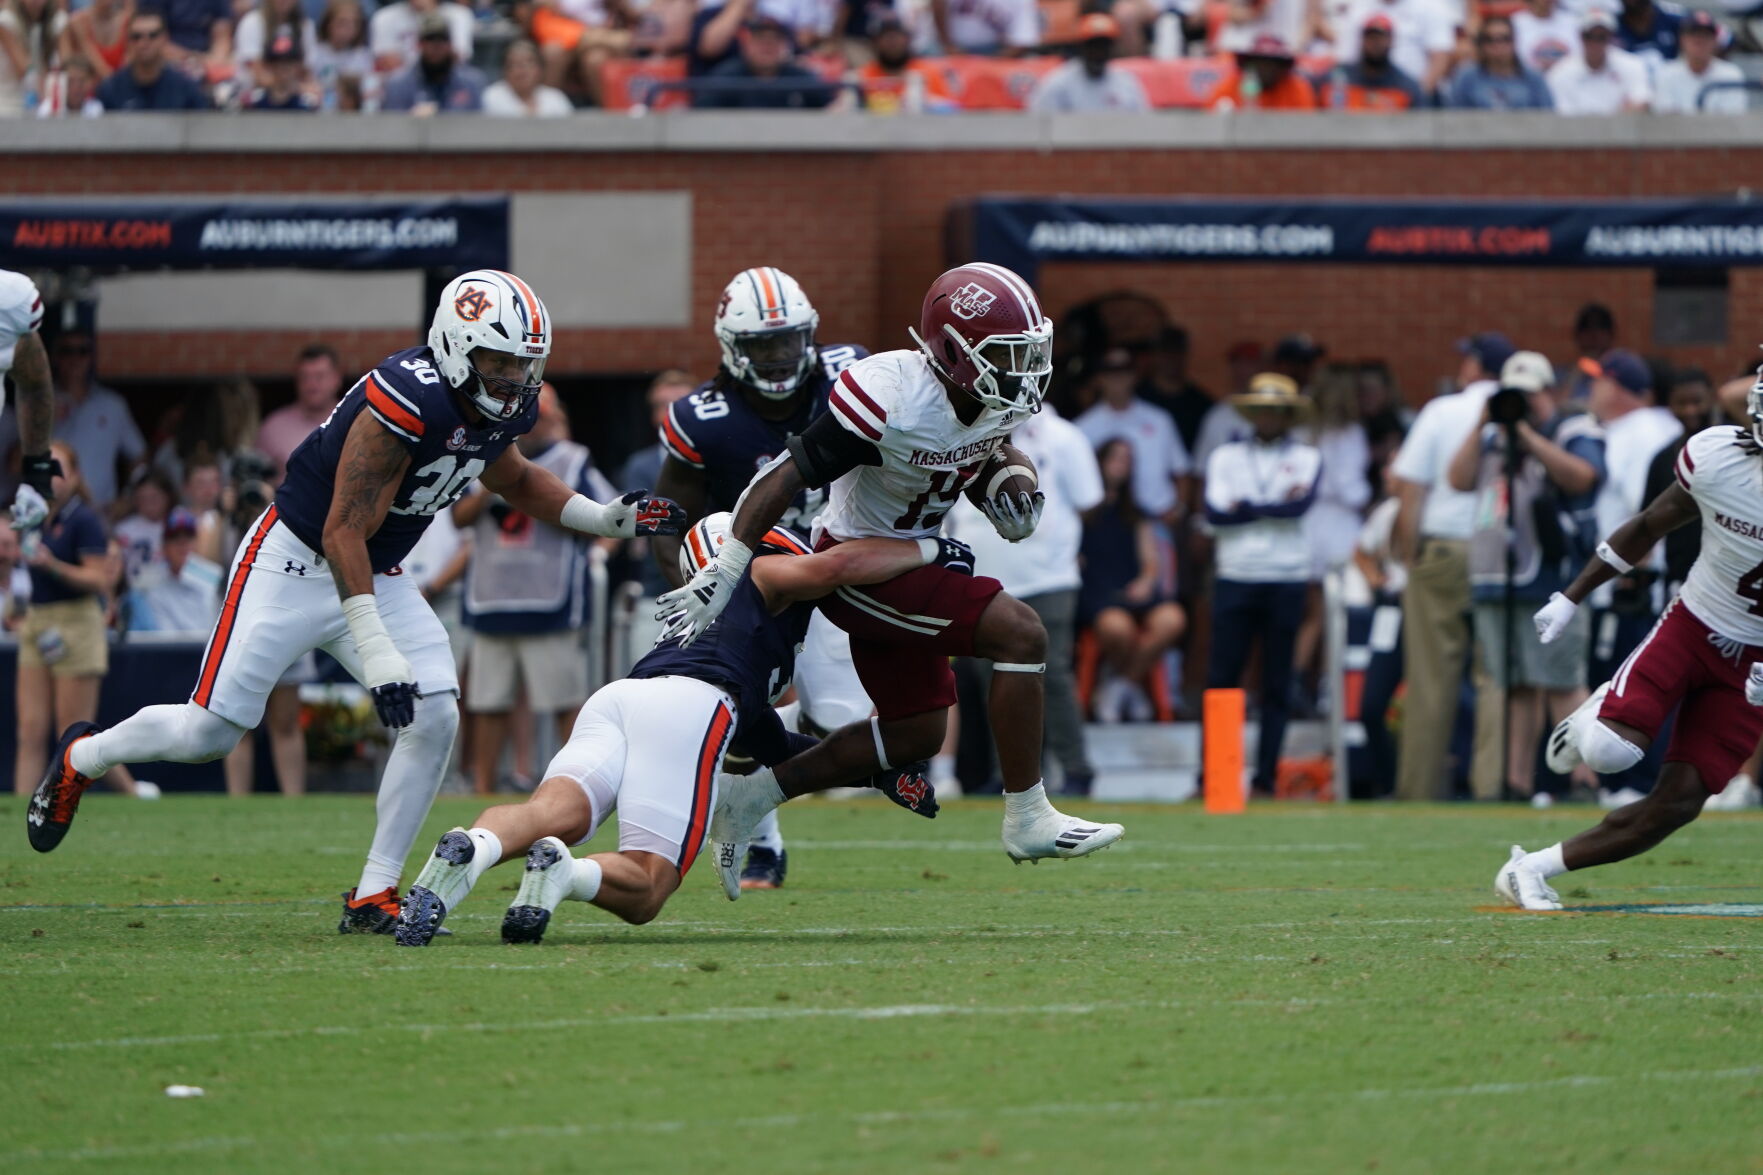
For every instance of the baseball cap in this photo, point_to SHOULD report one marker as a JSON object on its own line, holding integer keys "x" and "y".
{"x": 1623, "y": 366}
{"x": 1098, "y": 26}
{"x": 1267, "y": 45}
{"x": 1298, "y": 348}
{"x": 1699, "y": 22}
{"x": 1379, "y": 22}
{"x": 1597, "y": 18}
{"x": 1527, "y": 371}
{"x": 1490, "y": 347}
{"x": 180, "y": 521}
{"x": 766, "y": 22}
{"x": 434, "y": 25}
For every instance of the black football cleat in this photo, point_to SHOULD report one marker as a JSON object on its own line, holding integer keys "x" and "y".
{"x": 765, "y": 869}
{"x": 909, "y": 787}
{"x": 442, "y": 884}
{"x": 550, "y": 872}
{"x": 52, "y": 807}
{"x": 373, "y": 914}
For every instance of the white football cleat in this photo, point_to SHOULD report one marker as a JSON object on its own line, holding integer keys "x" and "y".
{"x": 1562, "y": 754}
{"x": 443, "y": 883}
{"x": 1051, "y": 833}
{"x": 1523, "y": 886}
{"x": 549, "y": 876}
{"x": 741, "y": 802}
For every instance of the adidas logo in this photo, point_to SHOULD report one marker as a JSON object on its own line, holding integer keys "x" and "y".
{"x": 1072, "y": 837}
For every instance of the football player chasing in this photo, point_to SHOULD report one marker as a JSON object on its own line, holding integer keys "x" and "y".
{"x": 649, "y": 746}
{"x": 23, "y": 356}
{"x": 320, "y": 569}
{"x": 1704, "y": 658}
{"x": 774, "y": 380}
{"x": 907, "y": 431}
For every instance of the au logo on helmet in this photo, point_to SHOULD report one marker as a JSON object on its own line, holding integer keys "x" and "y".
{"x": 972, "y": 301}
{"x": 471, "y": 304}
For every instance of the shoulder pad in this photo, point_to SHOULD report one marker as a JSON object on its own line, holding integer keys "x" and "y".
{"x": 863, "y": 395}
{"x": 397, "y": 391}
{"x": 835, "y": 357}
{"x": 21, "y": 306}
{"x": 682, "y": 427}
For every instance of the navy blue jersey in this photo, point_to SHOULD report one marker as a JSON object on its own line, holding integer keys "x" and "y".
{"x": 719, "y": 432}
{"x": 748, "y": 652}
{"x": 407, "y": 395}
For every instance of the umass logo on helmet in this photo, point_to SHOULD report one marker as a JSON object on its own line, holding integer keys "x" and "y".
{"x": 972, "y": 301}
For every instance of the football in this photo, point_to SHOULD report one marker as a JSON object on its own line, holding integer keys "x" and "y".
{"x": 1007, "y": 471}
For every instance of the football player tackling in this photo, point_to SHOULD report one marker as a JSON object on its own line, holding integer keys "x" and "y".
{"x": 774, "y": 380}
{"x": 1704, "y": 659}
{"x": 320, "y": 569}
{"x": 907, "y": 432}
{"x": 648, "y": 747}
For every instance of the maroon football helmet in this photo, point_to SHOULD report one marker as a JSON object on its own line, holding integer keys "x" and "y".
{"x": 982, "y": 329}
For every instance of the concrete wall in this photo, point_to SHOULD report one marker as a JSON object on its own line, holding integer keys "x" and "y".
{"x": 630, "y": 227}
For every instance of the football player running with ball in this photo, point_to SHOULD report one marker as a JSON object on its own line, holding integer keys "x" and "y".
{"x": 320, "y": 569}
{"x": 1704, "y": 659}
{"x": 908, "y": 431}
{"x": 774, "y": 380}
{"x": 648, "y": 746}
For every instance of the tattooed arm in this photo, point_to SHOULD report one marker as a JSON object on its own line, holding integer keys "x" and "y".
{"x": 36, "y": 395}
{"x": 368, "y": 473}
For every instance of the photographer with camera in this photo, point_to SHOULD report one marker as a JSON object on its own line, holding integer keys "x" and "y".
{"x": 1535, "y": 474}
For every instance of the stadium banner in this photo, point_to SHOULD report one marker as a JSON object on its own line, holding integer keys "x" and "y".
{"x": 459, "y": 233}
{"x": 1023, "y": 232}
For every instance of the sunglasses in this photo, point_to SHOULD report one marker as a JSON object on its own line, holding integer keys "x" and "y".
{"x": 152, "y": 36}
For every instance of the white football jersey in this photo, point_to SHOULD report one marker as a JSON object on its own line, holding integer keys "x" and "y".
{"x": 895, "y": 401}
{"x": 1724, "y": 474}
{"x": 21, "y": 312}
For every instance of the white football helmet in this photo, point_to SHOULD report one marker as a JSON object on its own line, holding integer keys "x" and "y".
{"x": 496, "y": 311}
{"x": 1754, "y": 408}
{"x": 765, "y": 325}
{"x": 702, "y": 542}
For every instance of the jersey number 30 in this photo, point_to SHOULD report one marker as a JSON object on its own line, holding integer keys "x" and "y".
{"x": 438, "y": 484}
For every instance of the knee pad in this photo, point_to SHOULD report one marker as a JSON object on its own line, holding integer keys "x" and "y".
{"x": 1605, "y": 751}
{"x": 204, "y": 736}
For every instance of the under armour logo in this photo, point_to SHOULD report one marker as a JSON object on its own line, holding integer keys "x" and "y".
{"x": 294, "y": 568}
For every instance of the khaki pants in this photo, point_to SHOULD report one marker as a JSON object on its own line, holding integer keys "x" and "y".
{"x": 1435, "y": 637}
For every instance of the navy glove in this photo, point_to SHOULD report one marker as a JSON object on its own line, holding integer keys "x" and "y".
{"x": 396, "y": 703}
{"x": 956, "y": 556}
{"x": 909, "y": 787}
{"x": 655, "y": 515}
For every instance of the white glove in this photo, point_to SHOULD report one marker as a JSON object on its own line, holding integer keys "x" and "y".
{"x": 1015, "y": 518}
{"x": 1754, "y": 684}
{"x": 384, "y": 671}
{"x": 1552, "y": 618}
{"x": 687, "y": 611}
{"x": 29, "y": 510}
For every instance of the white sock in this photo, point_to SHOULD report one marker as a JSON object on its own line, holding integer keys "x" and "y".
{"x": 1026, "y": 805}
{"x": 407, "y": 789}
{"x": 586, "y": 885}
{"x": 942, "y": 769}
{"x": 1547, "y": 861}
{"x": 766, "y": 834}
{"x": 489, "y": 851}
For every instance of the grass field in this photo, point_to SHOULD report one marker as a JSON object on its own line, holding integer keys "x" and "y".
{"x": 1292, "y": 990}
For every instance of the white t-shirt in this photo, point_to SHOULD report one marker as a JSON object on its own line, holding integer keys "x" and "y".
{"x": 894, "y": 401}
{"x": 1069, "y": 90}
{"x": 1221, "y": 425}
{"x": 1543, "y": 42}
{"x": 1282, "y": 475}
{"x": 1727, "y": 483}
{"x": 1046, "y": 561}
{"x": 1331, "y": 528}
{"x": 393, "y": 30}
{"x": 11, "y": 84}
{"x": 548, "y": 102}
{"x": 1376, "y": 539}
{"x": 1158, "y": 456}
{"x": 986, "y": 26}
{"x": 248, "y": 38}
{"x": 1426, "y": 455}
{"x": 1622, "y": 82}
{"x": 1631, "y": 441}
{"x": 1676, "y": 88}
{"x": 814, "y": 16}
{"x": 1418, "y": 28}
{"x": 142, "y": 541}
{"x": 1280, "y": 18}
{"x": 21, "y": 312}
{"x": 187, "y": 602}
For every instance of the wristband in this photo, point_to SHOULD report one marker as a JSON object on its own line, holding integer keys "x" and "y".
{"x": 582, "y": 513}
{"x": 365, "y": 625}
{"x": 1623, "y": 566}
{"x": 928, "y": 550}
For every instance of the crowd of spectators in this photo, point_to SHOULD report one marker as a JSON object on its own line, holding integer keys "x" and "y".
{"x": 1186, "y": 536}
{"x": 541, "y": 58}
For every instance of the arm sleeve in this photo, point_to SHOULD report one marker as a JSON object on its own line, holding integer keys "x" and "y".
{"x": 827, "y": 450}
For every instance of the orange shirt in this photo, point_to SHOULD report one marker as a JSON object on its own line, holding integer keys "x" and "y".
{"x": 1294, "y": 93}
{"x": 884, "y": 92}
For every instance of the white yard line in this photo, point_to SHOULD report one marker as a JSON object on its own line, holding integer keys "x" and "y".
{"x": 892, "y": 1117}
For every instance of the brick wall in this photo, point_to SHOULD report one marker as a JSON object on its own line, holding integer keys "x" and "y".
{"x": 864, "y": 234}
